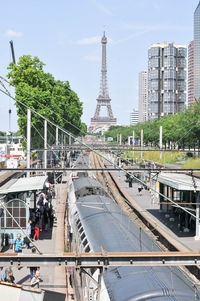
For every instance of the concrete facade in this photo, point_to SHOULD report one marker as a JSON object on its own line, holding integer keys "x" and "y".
{"x": 191, "y": 98}
{"x": 197, "y": 52}
{"x": 166, "y": 79}
{"x": 134, "y": 117}
{"x": 143, "y": 96}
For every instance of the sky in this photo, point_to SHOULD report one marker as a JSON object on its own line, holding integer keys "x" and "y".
{"x": 66, "y": 35}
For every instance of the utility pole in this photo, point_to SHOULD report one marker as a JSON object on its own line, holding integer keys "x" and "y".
{"x": 141, "y": 142}
{"x": 197, "y": 236}
{"x": 133, "y": 138}
{"x": 45, "y": 144}
{"x": 28, "y": 145}
{"x": 56, "y": 136}
{"x": 161, "y": 133}
{"x": 120, "y": 139}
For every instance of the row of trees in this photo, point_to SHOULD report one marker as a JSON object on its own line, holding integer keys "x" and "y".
{"x": 54, "y": 99}
{"x": 180, "y": 129}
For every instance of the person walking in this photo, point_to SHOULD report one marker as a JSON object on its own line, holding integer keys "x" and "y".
{"x": 37, "y": 230}
{"x": 33, "y": 269}
{"x": 35, "y": 281}
{"x": 28, "y": 233}
{"x": 9, "y": 276}
{"x": 140, "y": 189}
{"x": 18, "y": 244}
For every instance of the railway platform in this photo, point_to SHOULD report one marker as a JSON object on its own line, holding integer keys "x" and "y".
{"x": 149, "y": 208}
{"x": 52, "y": 241}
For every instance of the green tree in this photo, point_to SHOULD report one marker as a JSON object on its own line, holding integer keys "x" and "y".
{"x": 181, "y": 128}
{"x": 51, "y": 98}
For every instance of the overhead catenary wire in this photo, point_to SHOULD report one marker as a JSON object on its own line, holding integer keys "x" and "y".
{"x": 73, "y": 125}
{"x": 41, "y": 134}
{"x": 91, "y": 149}
{"x": 33, "y": 98}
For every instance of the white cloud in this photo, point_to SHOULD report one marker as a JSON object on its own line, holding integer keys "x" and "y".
{"x": 155, "y": 5}
{"x": 13, "y": 34}
{"x": 156, "y": 27}
{"x": 140, "y": 29}
{"x": 102, "y": 8}
{"x": 92, "y": 58}
{"x": 90, "y": 41}
{"x": 130, "y": 37}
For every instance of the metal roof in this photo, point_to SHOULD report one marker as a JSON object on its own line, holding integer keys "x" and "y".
{"x": 107, "y": 226}
{"x": 85, "y": 182}
{"x": 180, "y": 181}
{"x": 25, "y": 184}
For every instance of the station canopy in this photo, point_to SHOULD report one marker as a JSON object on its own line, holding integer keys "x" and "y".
{"x": 24, "y": 184}
{"x": 180, "y": 181}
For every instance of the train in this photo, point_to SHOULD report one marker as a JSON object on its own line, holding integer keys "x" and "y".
{"x": 98, "y": 224}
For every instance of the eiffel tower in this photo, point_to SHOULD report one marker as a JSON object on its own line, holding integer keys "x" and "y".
{"x": 99, "y": 123}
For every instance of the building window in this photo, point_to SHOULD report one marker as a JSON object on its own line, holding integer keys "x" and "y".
{"x": 17, "y": 209}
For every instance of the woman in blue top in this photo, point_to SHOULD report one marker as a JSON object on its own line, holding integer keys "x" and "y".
{"x": 18, "y": 244}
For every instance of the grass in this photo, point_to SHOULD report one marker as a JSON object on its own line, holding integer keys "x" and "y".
{"x": 167, "y": 157}
{"x": 192, "y": 163}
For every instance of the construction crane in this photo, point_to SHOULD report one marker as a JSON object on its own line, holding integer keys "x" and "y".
{"x": 13, "y": 52}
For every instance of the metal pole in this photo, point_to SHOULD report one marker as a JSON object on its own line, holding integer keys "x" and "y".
{"x": 99, "y": 283}
{"x": 161, "y": 134}
{"x": 141, "y": 142}
{"x": 70, "y": 139}
{"x": 120, "y": 139}
{"x": 28, "y": 145}
{"x": 45, "y": 144}
{"x": 56, "y": 135}
{"x": 197, "y": 237}
{"x": 133, "y": 138}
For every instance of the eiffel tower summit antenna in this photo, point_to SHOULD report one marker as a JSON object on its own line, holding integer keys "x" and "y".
{"x": 99, "y": 123}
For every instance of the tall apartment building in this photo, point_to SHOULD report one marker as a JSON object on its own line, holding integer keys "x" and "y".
{"x": 143, "y": 96}
{"x": 166, "y": 79}
{"x": 191, "y": 98}
{"x": 134, "y": 117}
{"x": 197, "y": 52}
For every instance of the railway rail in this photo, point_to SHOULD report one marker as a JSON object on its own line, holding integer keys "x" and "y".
{"x": 146, "y": 224}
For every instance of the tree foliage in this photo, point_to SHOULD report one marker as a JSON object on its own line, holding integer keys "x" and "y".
{"x": 52, "y": 98}
{"x": 180, "y": 129}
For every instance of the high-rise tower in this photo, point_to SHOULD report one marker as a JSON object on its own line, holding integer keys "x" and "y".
{"x": 143, "y": 96}
{"x": 98, "y": 122}
{"x": 166, "y": 79}
{"x": 197, "y": 52}
{"x": 191, "y": 98}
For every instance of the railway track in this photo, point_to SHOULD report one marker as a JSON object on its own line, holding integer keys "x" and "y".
{"x": 109, "y": 183}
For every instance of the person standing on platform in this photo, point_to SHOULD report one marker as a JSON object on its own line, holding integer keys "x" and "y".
{"x": 33, "y": 269}
{"x": 28, "y": 233}
{"x": 35, "y": 281}
{"x": 18, "y": 244}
